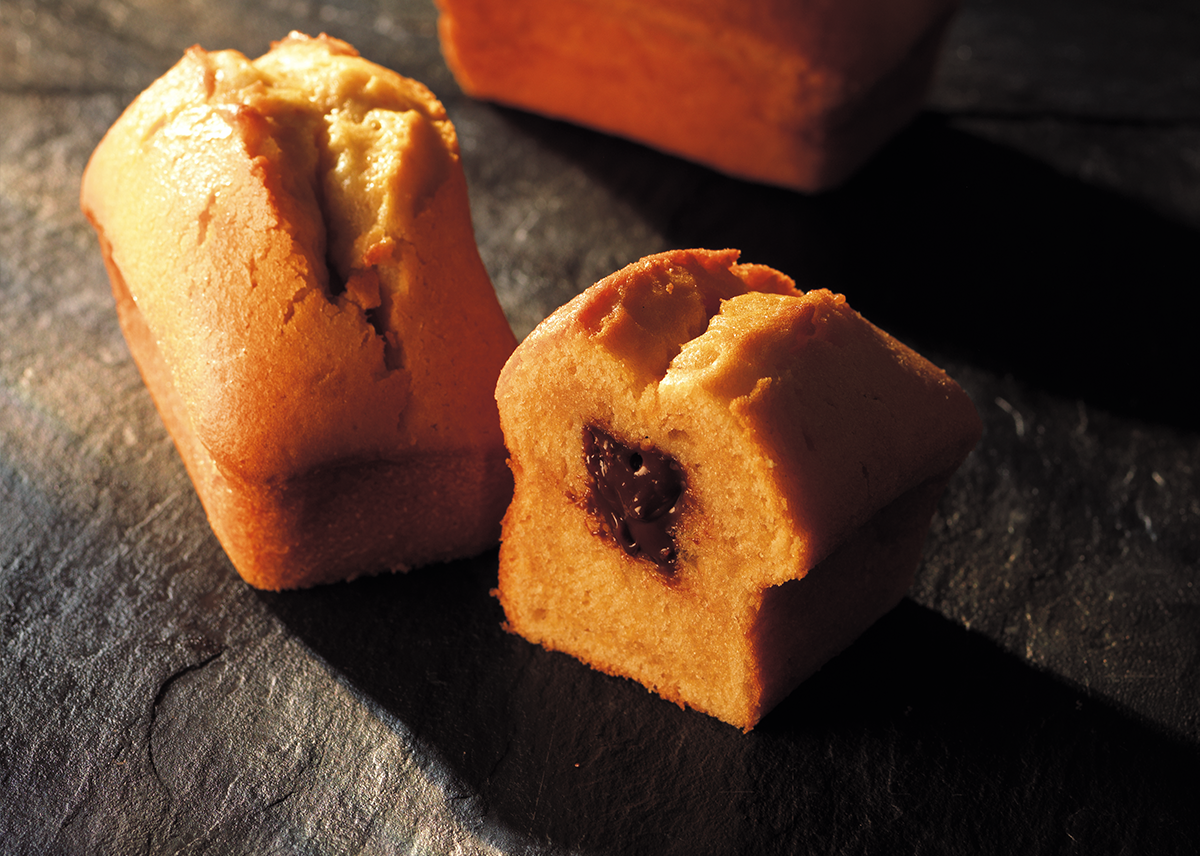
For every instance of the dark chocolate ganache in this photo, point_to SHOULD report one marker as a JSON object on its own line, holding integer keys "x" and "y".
{"x": 635, "y": 492}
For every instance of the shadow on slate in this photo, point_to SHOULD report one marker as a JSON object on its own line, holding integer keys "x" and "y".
{"x": 953, "y": 243}
{"x": 921, "y": 736}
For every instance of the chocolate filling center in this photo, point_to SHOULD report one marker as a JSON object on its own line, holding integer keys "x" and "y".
{"x": 635, "y": 493}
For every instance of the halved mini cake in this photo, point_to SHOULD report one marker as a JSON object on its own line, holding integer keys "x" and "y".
{"x": 720, "y": 481}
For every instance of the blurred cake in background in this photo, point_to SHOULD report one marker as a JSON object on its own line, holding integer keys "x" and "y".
{"x": 797, "y": 93}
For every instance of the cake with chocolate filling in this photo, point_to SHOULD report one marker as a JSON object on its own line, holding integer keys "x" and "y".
{"x": 290, "y": 246}
{"x": 797, "y": 93}
{"x": 720, "y": 481}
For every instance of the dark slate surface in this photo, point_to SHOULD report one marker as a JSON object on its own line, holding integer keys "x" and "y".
{"x": 1039, "y": 691}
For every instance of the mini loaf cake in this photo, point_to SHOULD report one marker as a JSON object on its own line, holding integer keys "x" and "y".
{"x": 290, "y": 246}
{"x": 797, "y": 94}
{"x": 720, "y": 481}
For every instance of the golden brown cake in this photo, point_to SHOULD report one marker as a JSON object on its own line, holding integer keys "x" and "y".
{"x": 797, "y": 93}
{"x": 720, "y": 481}
{"x": 290, "y": 246}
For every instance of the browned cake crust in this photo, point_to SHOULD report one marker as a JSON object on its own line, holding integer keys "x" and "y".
{"x": 290, "y": 248}
{"x": 791, "y": 92}
{"x": 810, "y": 449}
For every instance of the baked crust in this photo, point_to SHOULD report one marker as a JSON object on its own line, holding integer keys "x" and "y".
{"x": 797, "y": 93}
{"x": 813, "y": 445}
{"x": 291, "y": 252}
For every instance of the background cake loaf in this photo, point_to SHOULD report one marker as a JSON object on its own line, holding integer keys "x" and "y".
{"x": 797, "y": 93}
{"x": 290, "y": 246}
{"x": 720, "y": 482}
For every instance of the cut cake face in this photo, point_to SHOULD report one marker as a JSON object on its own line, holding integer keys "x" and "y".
{"x": 720, "y": 481}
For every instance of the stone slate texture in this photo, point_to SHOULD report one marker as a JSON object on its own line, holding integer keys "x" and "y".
{"x": 1034, "y": 231}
